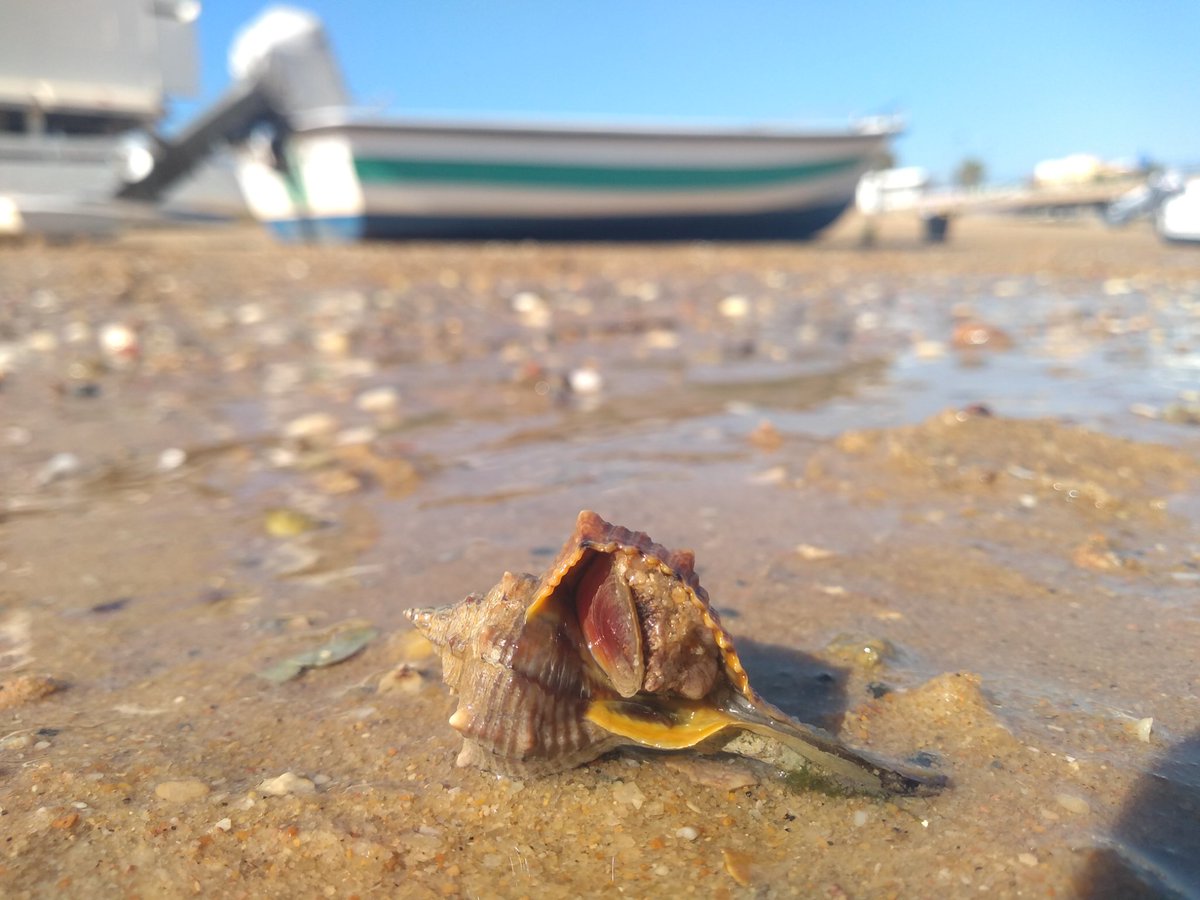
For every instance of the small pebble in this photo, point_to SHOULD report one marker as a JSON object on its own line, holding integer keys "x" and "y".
{"x": 311, "y": 426}
{"x": 59, "y": 466}
{"x": 1143, "y": 729}
{"x": 586, "y": 380}
{"x": 1027, "y": 859}
{"x": 812, "y": 553}
{"x": 287, "y": 783}
{"x": 628, "y": 792}
{"x": 224, "y": 824}
{"x": 182, "y": 791}
{"x": 404, "y": 679}
{"x": 688, "y": 833}
{"x": 734, "y": 306}
{"x": 22, "y": 689}
{"x": 119, "y": 342}
{"x": 1073, "y": 803}
{"x": 378, "y": 400}
{"x": 171, "y": 459}
{"x": 738, "y": 865}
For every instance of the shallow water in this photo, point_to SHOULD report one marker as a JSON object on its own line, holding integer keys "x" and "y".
{"x": 1014, "y": 521}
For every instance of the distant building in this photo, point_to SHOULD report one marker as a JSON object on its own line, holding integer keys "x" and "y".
{"x": 1076, "y": 169}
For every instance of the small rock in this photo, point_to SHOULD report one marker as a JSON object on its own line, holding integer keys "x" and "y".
{"x": 1096, "y": 553}
{"x": 532, "y": 309}
{"x": 813, "y": 554}
{"x": 171, "y": 459}
{"x": 971, "y": 334}
{"x": 734, "y": 306}
{"x": 403, "y": 679}
{"x": 67, "y": 822}
{"x": 331, "y": 342}
{"x": 311, "y": 427}
{"x": 287, "y": 783}
{"x": 864, "y": 652}
{"x": 58, "y": 467}
{"x": 184, "y": 790}
{"x": 586, "y": 380}
{"x": 119, "y": 343}
{"x": 766, "y": 436}
{"x": 224, "y": 824}
{"x": 378, "y": 400}
{"x": 929, "y": 349}
{"x": 1027, "y": 859}
{"x": 687, "y": 833}
{"x": 724, "y": 775}
{"x": 1073, "y": 803}
{"x": 738, "y": 865}
{"x": 22, "y": 689}
{"x": 628, "y": 792}
{"x": 285, "y": 522}
{"x": 1142, "y": 729}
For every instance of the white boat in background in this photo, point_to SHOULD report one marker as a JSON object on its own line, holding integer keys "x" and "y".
{"x": 1178, "y": 216}
{"x": 321, "y": 172}
{"x": 1171, "y": 198}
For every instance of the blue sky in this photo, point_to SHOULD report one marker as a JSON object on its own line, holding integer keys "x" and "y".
{"x": 1009, "y": 83}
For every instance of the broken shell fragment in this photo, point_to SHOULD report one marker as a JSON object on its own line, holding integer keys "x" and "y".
{"x": 617, "y": 644}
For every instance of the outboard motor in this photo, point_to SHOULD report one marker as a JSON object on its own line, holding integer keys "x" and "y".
{"x": 285, "y": 51}
{"x": 1144, "y": 199}
{"x": 282, "y": 66}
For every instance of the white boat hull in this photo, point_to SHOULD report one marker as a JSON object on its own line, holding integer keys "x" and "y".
{"x": 343, "y": 180}
{"x": 1178, "y": 217}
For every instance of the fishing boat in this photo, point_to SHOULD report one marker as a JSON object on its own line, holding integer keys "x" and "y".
{"x": 344, "y": 179}
{"x": 79, "y": 150}
{"x": 323, "y": 172}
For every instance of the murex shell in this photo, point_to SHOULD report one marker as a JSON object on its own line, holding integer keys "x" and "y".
{"x": 616, "y": 644}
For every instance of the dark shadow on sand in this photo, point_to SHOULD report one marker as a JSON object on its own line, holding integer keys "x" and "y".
{"x": 804, "y": 687}
{"x": 1154, "y": 849}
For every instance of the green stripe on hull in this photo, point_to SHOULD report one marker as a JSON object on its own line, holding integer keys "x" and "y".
{"x": 596, "y": 178}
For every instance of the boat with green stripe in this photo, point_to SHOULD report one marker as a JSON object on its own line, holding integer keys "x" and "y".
{"x": 317, "y": 170}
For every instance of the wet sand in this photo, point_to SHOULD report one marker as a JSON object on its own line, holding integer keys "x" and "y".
{"x": 945, "y": 499}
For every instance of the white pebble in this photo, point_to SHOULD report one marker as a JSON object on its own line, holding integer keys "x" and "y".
{"x": 1073, "y": 803}
{"x": 310, "y": 426}
{"x": 224, "y": 824}
{"x": 250, "y": 314}
{"x": 532, "y": 309}
{"x": 734, "y": 306}
{"x": 118, "y": 341}
{"x": 182, "y": 791}
{"x": 860, "y": 818}
{"x": 1143, "y": 729}
{"x": 171, "y": 459}
{"x": 586, "y": 380}
{"x": 331, "y": 342}
{"x": 287, "y": 783}
{"x": 378, "y": 400}
{"x": 688, "y": 833}
{"x": 60, "y": 465}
